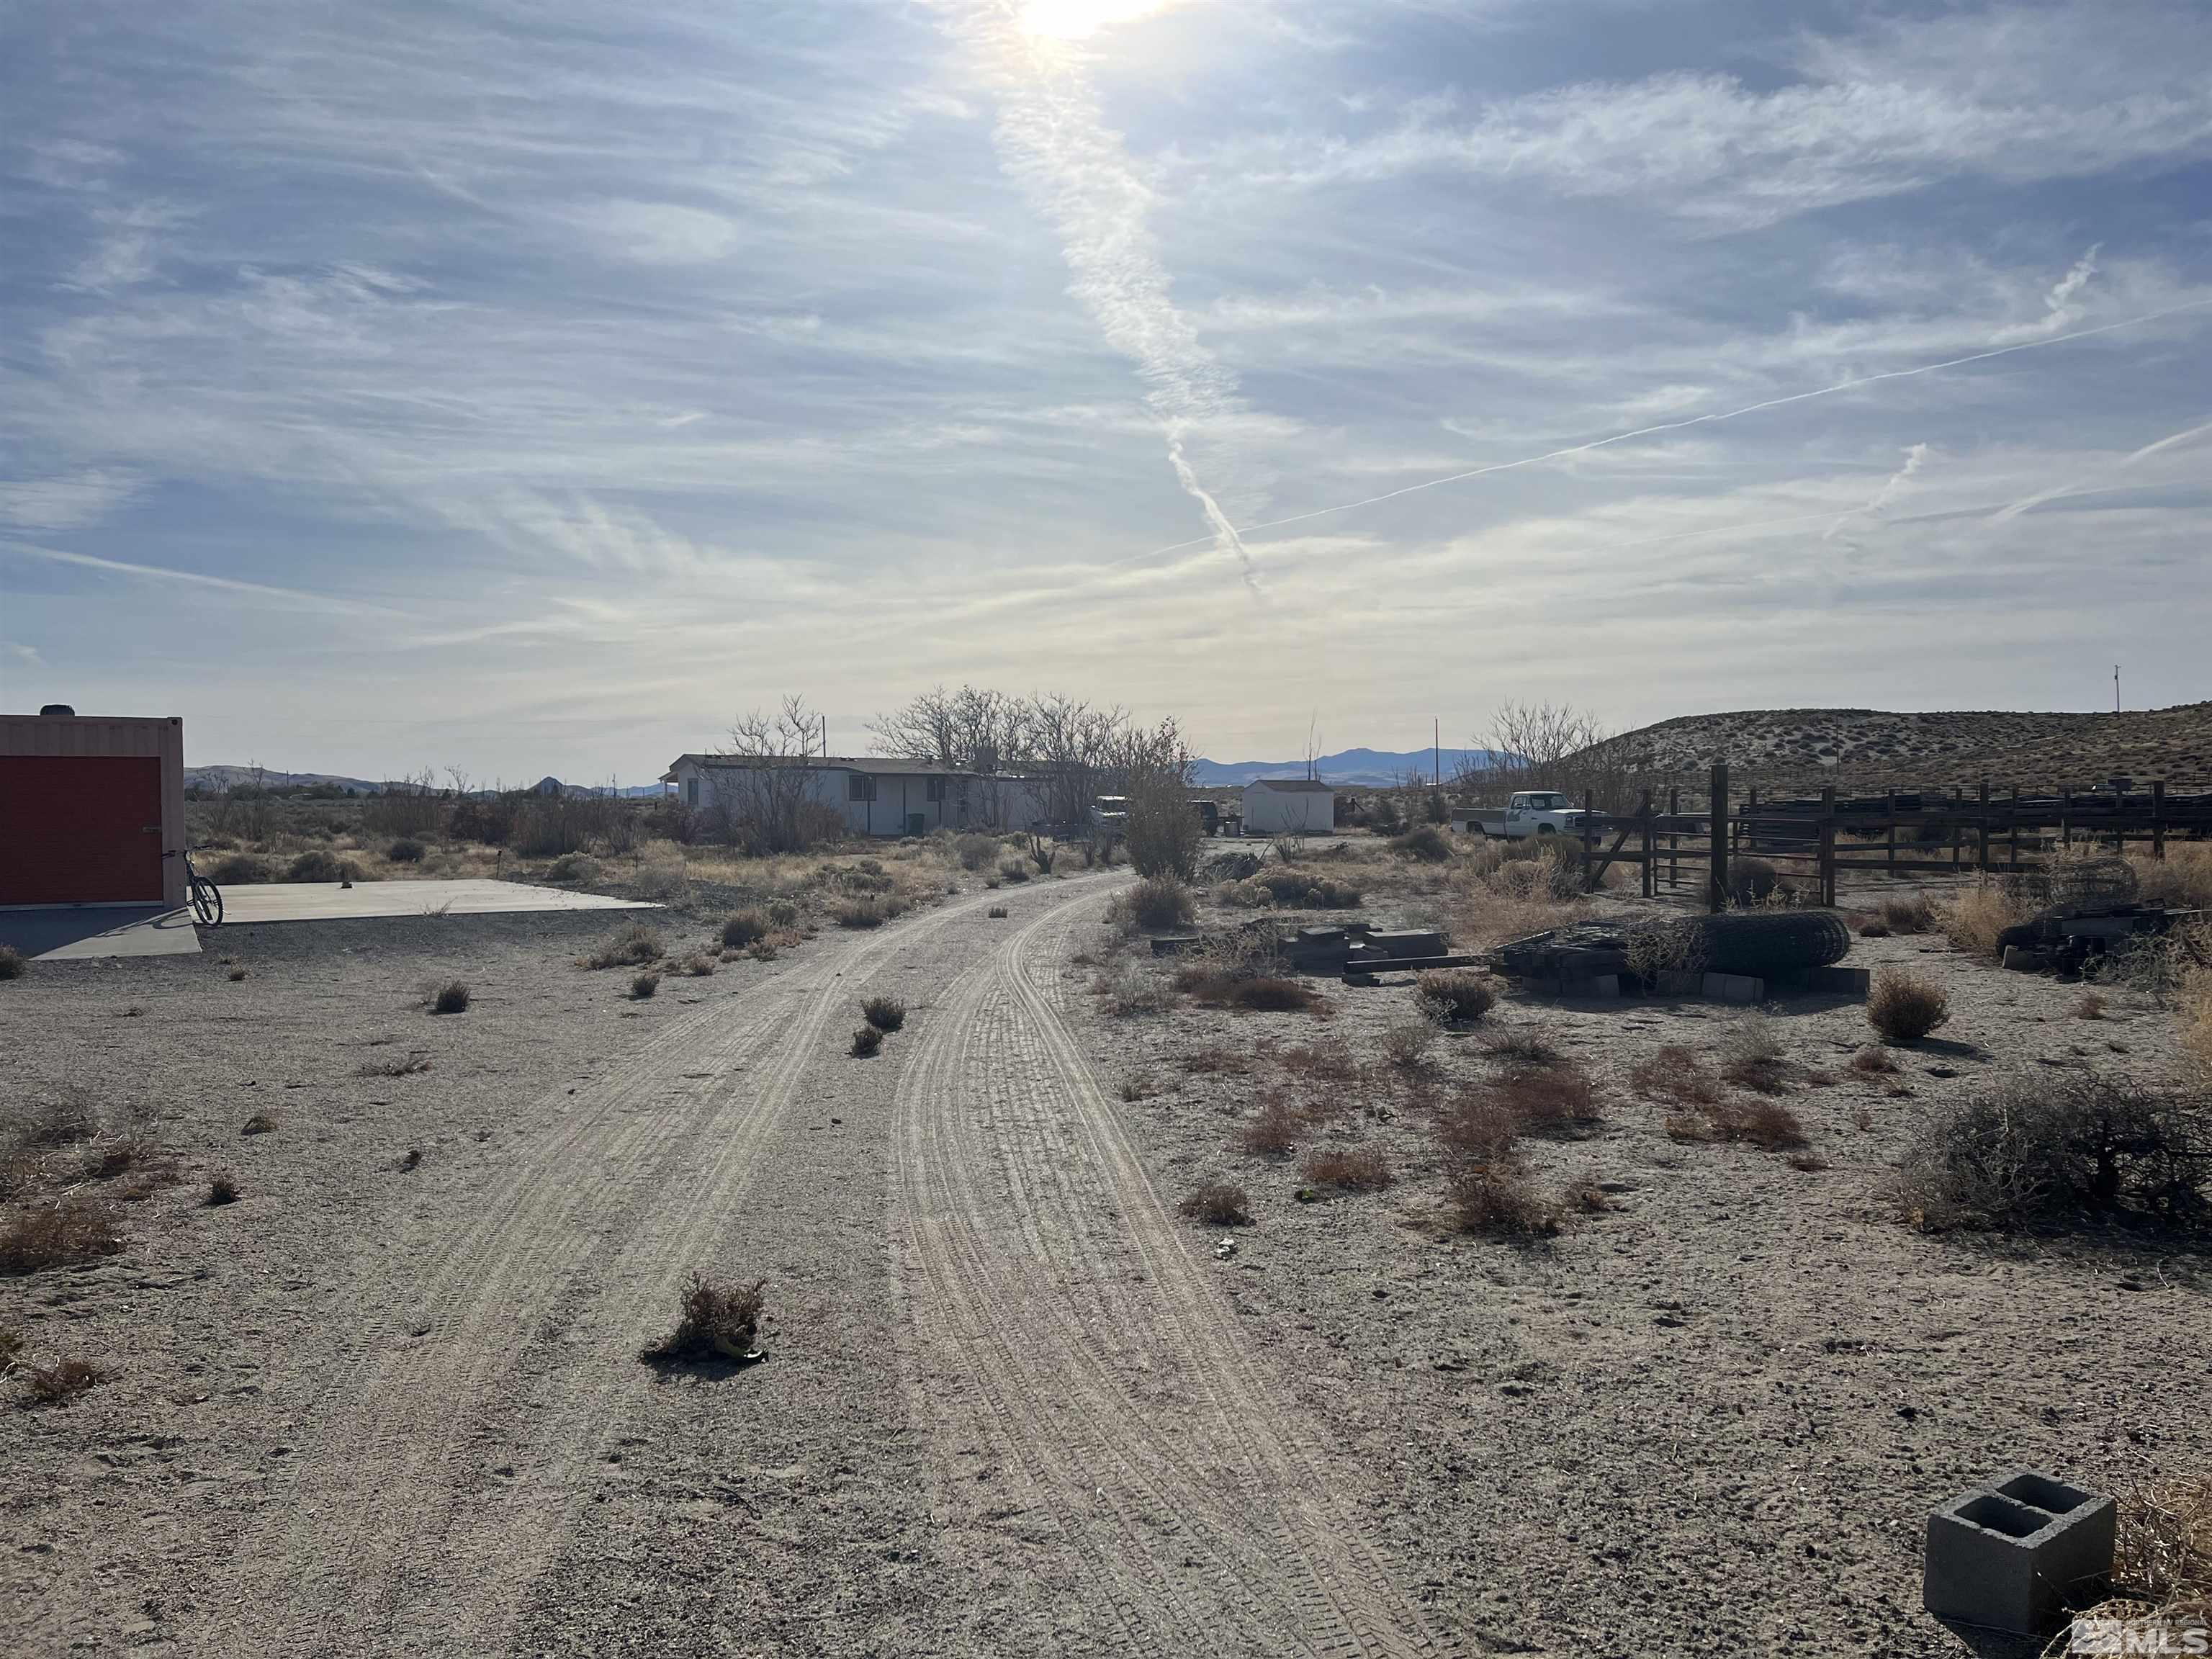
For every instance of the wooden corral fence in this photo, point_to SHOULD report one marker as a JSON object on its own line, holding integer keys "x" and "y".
{"x": 1900, "y": 832}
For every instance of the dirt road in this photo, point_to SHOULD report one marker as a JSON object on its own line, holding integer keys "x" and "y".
{"x": 1089, "y": 1461}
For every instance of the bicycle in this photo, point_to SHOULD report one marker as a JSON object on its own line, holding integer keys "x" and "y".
{"x": 205, "y": 897}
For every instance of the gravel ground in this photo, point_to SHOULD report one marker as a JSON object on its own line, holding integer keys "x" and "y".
{"x": 1712, "y": 1417}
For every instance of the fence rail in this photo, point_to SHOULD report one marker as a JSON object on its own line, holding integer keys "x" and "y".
{"x": 1950, "y": 833}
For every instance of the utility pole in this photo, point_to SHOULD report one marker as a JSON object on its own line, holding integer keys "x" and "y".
{"x": 2116, "y": 688}
{"x": 1436, "y": 751}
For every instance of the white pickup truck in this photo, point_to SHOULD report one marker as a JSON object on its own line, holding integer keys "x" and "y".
{"x": 1530, "y": 812}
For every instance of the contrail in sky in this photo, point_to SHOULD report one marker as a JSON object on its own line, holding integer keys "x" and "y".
{"x": 1052, "y": 142}
{"x": 1913, "y": 459}
{"x": 1695, "y": 420}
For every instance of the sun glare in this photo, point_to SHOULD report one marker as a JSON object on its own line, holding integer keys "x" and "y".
{"x": 1079, "y": 20}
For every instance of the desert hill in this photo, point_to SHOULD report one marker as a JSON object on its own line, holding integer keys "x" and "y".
{"x": 1863, "y": 748}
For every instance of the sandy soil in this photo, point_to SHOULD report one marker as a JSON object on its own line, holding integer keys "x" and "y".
{"x": 1713, "y": 1417}
{"x": 387, "y": 1404}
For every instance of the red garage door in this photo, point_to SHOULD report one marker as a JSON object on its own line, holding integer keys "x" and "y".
{"x": 79, "y": 828}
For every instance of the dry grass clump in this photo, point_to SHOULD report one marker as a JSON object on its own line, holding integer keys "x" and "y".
{"x": 222, "y": 1188}
{"x": 1906, "y": 1006}
{"x": 860, "y": 914}
{"x": 1361, "y": 1169}
{"x": 1974, "y": 921}
{"x": 2163, "y": 1550}
{"x": 1874, "y": 1062}
{"x": 263, "y": 1123}
{"x": 2054, "y": 1149}
{"x": 974, "y": 851}
{"x": 1272, "y": 1131}
{"x": 451, "y": 998}
{"x": 697, "y": 965}
{"x": 1406, "y": 1044}
{"x": 996, "y": 913}
{"x": 742, "y": 927}
{"x": 2090, "y": 1004}
{"x": 1455, "y": 996}
{"x": 1676, "y": 1073}
{"x": 399, "y": 1065}
{"x": 1916, "y": 913}
{"x": 867, "y": 1042}
{"x": 1327, "y": 1060}
{"x": 1426, "y": 842}
{"x": 573, "y": 867}
{"x": 318, "y": 866}
{"x": 59, "y": 1383}
{"x": 719, "y": 1320}
{"x": 1752, "y": 1058}
{"x": 1549, "y": 1100}
{"x": 884, "y": 1013}
{"x": 1218, "y": 1204}
{"x": 1293, "y": 888}
{"x": 1013, "y": 869}
{"x": 2182, "y": 880}
{"x": 1158, "y": 903}
{"x": 632, "y": 944}
{"x": 644, "y": 985}
{"x": 1222, "y": 987}
{"x": 1129, "y": 990}
{"x": 11, "y": 963}
{"x": 667, "y": 882}
{"x": 1752, "y": 882}
{"x": 1766, "y": 1124}
{"x": 1522, "y": 1045}
{"x": 1488, "y": 1183}
{"x": 68, "y": 1230}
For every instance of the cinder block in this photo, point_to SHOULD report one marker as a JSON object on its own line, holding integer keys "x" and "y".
{"x": 1597, "y": 985}
{"x": 1680, "y": 982}
{"x": 2022, "y": 960}
{"x": 1736, "y": 988}
{"x": 2015, "y": 1555}
{"x": 1847, "y": 982}
{"x": 1406, "y": 942}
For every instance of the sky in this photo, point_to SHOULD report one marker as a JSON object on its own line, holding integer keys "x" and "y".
{"x": 529, "y": 388}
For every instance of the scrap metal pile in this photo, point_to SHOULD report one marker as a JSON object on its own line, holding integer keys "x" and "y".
{"x": 2088, "y": 908}
{"x": 1758, "y": 943}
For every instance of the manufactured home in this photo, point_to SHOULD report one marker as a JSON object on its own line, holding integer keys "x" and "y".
{"x": 875, "y": 794}
{"x": 92, "y": 809}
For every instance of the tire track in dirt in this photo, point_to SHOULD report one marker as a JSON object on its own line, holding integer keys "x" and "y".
{"x": 398, "y": 1533}
{"x": 1071, "y": 1361}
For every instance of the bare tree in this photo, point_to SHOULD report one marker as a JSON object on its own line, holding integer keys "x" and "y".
{"x": 1163, "y": 833}
{"x": 1552, "y": 747}
{"x": 768, "y": 803}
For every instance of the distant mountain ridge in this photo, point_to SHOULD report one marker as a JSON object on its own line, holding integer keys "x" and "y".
{"x": 210, "y": 778}
{"x": 1366, "y": 768}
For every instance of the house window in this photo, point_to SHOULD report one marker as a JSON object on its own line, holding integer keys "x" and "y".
{"x": 859, "y": 785}
{"x": 692, "y": 792}
{"x": 936, "y": 789}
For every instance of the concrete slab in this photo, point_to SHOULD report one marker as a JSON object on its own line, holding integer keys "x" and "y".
{"x": 328, "y": 902}
{"x": 87, "y": 931}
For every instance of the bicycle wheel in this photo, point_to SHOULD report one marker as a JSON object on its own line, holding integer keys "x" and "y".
{"x": 207, "y": 902}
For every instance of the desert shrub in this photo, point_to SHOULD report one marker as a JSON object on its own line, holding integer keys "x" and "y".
{"x": 867, "y": 1042}
{"x": 260, "y": 1123}
{"x": 643, "y": 985}
{"x": 1872, "y": 927}
{"x": 761, "y": 950}
{"x": 1298, "y": 886}
{"x": 741, "y": 927}
{"x": 1163, "y": 834}
{"x": 1915, "y": 914}
{"x": 1455, "y": 996}
{"x": 860, "y": 914}
{"x": 1362, "y": 1169}
{"x": 1501, "y": 1198}
{"x": 59, "y": 1383}
{"x": 1272, "y": 1131}
{"x": 1675, "y": 1074}
{"x": 239, "y": 870}
{"x": 1426, "y": 843}
{"x": 222, "y": 1188}
{"x": 1766, "y": 1124}
{"x": 60, "y": 1234}
{"x": 1264, "y": 996}
{"x": 1522, "y": 1046}
{"x": 405, "y": 850}
{"x": 451, "y": 998}
{"x": 1327, "y": 1060}
{"x": 11, "y": 963}
{"x": 1159, "y": 902}
{"x": 1014, "y": 871}
{"x": 1974, "y": 921}
{"x": 1218, "y": 1204}
{"x": 697, "y": 965}
{"x": 1406, "y": 1044}
{"x": 1752, "y": 881}
{"x": 667, "y": 882}
{"x": 1751, "y": 1056}
{"x": 884, "y": 1013}
{"x": 573, "y": 867}
{"x": 1128, "y": 991}
{"x": 996, "y": 913}
{"x": 719, "y": 1320}
{"x": 630, "y": 945}
{"x": 2090, "y": 1004}
{"x": 2056, "y": 1148}
{"x": 2182, "y": 880}
{"x": 316, "y": 865}
{"x": 398, "y": 1066}
{"x": 236, "y": 975}
{"x": 1553, "y": 1100}
{"x": 973, "y": 851}
{"x": 783, "y": 913}
{"x": 1874, "y": 1062}
{"x": 2163, "y": 1550}
{"x": 1905, "y": 1006}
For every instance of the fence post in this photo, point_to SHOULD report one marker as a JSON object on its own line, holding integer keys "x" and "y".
{"x": 1589, "y": 844}
{"x": 2015, "y": 827}
{"x": 1982, "y": 850}
{"x": 1828, "y": 846}
{"x": 2066, "y": 816}
{"x": 1716, "y": 893}
{"x": 1673, "y": 839}
{"x": 1890, "y": 812}
{"x": 1650, "y": 886}
{"x": 2158, "y": 817}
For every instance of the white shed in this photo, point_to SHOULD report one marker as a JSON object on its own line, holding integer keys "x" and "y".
{"x": 1289, "y": 806}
